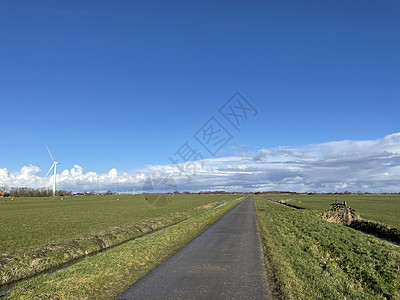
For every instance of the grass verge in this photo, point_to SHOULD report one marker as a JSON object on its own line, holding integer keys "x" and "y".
{"x": 105, "y": 275}
{"x": 314, "y": 259}
{"x": 19, "y": 265}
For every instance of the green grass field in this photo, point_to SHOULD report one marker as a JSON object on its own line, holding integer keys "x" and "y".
{"x": 310, "y": 258}
{"x": 40, "y": 234}
{"x": 379, "y": 208}
{"x": 31, "y": 222}
{"x": 107, "y": 274}
{"x": 306, "y": 256}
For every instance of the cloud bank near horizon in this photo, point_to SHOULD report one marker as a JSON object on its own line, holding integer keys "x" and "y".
{"x": 353, "y": 165}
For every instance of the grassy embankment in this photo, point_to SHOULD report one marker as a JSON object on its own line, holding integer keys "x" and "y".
{"x": 99, "y": 222}
{"x": 105, "y": 275}
{"x": 314, "y": 259}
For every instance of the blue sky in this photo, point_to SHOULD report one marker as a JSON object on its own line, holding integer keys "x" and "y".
{"x": 123, "y": 84}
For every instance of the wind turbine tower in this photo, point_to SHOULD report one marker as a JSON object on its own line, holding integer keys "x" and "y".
{"x": 54, "y": 165}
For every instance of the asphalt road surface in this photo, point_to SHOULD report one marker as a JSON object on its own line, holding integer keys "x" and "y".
{"x": 224, "y": 262}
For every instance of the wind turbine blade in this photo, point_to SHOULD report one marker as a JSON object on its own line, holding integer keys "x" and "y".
{"x": 50, "y": 153}
{"x": 50, "y": 170}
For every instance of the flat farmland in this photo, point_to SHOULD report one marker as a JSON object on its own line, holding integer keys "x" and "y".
{"x": 42, "y": 234}
{"x": 107, "y": 274}
{"x": 31, "y": 222}
{"x": 379, "y": 208}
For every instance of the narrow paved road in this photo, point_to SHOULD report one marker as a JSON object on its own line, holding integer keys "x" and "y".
{"x": 224, "y": 262}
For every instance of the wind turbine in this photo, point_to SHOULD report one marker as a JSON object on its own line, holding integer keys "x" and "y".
{"x": 55, "y": 163}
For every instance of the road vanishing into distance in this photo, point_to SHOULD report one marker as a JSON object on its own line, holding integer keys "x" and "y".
{"x": 224, "y": 262}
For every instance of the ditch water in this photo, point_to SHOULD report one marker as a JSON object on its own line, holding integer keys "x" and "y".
{"x": 284, "y": 204}
{"x": 6, "y": 287}
{"x": 382, "y": 239}
{"x": 228, "y": 202}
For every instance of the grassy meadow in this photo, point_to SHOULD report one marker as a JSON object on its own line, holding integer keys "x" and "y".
{"x": 31, "y": 222}
{"x": 105, "y": 275}
{"x": 306, "y": 256}
{"x": 310, "y": 258}
{"x": 40, "y": 234}
{"x": 379, "y": 208}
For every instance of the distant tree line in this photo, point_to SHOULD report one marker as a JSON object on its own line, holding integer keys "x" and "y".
{"x": 29, "y": 192}
{"x": 92, "y": 193}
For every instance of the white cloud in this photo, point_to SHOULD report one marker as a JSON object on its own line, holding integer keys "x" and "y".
{"x": 371, "y": 165}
